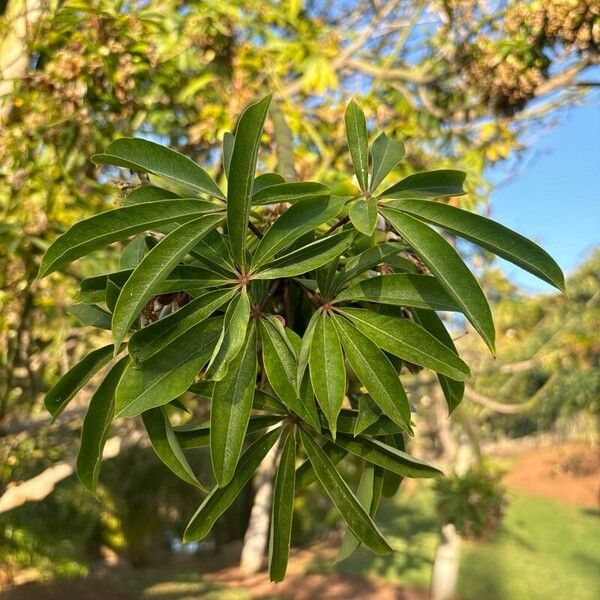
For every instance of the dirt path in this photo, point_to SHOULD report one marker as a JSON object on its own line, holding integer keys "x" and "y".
{"x": 302, "y": 585}
{"x": 567, "y": 473}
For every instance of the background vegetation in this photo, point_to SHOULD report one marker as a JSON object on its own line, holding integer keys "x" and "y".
{"x": 463, "y": 83}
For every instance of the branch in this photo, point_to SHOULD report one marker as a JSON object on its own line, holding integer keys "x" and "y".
{"x": 42, "y": 485}
{"x": 566, "y": 77}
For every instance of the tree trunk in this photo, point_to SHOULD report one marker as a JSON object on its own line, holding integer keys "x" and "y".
{"x": 23, "y": 17}
{"x": 41, "y": 486}
{"x": 257, "y": 534}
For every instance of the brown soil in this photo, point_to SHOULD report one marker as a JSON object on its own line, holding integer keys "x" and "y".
{"x": 302, "y": 585}
{"x": 567, "y": 473}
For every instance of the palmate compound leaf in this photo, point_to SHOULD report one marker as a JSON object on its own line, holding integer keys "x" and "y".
{"x": 329, "y": 288}
{"x": 488, "y": 234}
{"x": 449, "y": 269}
{"x": 342, "y": 496}
{"x": 230, "y": 410}
{"x": 149, "y": 157}
{"x": 114, "y": 225}
{"x": 220, "y": 498}
{"x": 282, "y": 507}
{"x": 153, "y": 269}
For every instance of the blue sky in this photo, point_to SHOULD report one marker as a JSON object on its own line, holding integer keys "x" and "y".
{"x": 555, "y": 200}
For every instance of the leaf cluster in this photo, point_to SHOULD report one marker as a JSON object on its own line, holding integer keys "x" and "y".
{"x": 273, "y": 310}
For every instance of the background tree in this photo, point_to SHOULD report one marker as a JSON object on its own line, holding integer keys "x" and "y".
{"x": 461, "y": 82}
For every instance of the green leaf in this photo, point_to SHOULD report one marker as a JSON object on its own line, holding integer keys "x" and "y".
{"x": 96, "y": 424}
{"x": 149, "y": 157}
{"x": 266, "y": 402}
{"x": 365, "y": 261}
{"x": 168, "y": 374}
{"x": 91, "y": 315}
{"x": 376, "y": 373}
{"x": 408, "y": 340}
{"x": 489, "y": 235}
{"x": 428, "y": 185}
{"x": 280, "y": 364}
{"x": 133, "y": 253}
{"x": 386, "y": 456}
{"x": 153, "y": 269}
{"x": 453, "y": 390}
{"x": 327, "y": 370}
{"x": 75, "y": 378}
{"x": 93, "y": 289}
{"x": 114, "y": 225}
{"x": 289, "y": 192}
{"x": 296, "y": 221}
{"x": 386, "y": 154}
{"x": 402, "y": 289}
{"x": 304, "y": 350}
{"x": 368, "y": 494}
{"x": 147, "y": 193}
{"x": 349, "y": 418}
{"x": 198, "y": 436}
{"x": 337, "y": 489}
{"x": 449, "y": 269}
{"x": 363, "y": 215}
{"x": 265, "y": 180}
{"x": 241, "y": 174}
{"x": 305, "y": 473}
{"x": 282, "y": 508}
{"x": 358, "y": 142}
{"x": 308, "y": 258}
{"x": 152, "y": 339}
{"x": 220, "y": 499}
{"x": 165, "y": 445}
{"x": 230, "y": 410}
{"x": 368, "y": 413}
{"x": 392, "y": 481}
{"x": 232, "y": 336}
{"x": 111, "y": 295}
{"x": 228, "y": 142}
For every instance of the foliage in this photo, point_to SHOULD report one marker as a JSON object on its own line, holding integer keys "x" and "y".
{"x": 286, "y": 297}
{"x": 436, "y": 75}
{"x": 551, "y": 359}
{"x": 474, "y": 502}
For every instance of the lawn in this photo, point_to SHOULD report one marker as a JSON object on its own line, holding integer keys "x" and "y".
{"x": 544, "y": 549}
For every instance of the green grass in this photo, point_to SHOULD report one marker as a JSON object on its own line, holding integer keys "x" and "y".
{"x": 544, "y": 550}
